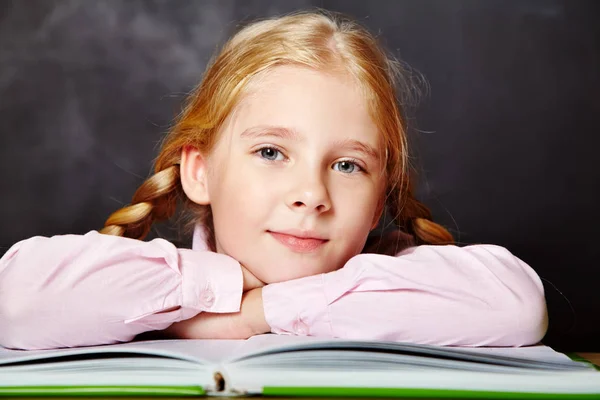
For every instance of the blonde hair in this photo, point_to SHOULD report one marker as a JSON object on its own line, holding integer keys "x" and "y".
{"x": 317, "y": 40}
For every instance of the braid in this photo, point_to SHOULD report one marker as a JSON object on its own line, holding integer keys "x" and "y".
{"x": 415, "y": 218}
{"x": 154, "y": 200}
{"x": 419, "y": 223}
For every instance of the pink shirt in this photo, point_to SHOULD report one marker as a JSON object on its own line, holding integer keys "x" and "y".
{"x": 77, "y": 290}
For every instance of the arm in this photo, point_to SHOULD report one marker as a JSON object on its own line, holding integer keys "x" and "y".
{"x": 73, "y": 290}
{"x": 479, "y": 295}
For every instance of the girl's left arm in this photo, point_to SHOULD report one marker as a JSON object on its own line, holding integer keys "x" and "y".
{"x": 479, "y": 295}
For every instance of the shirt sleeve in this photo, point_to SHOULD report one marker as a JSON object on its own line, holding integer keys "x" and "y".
{"x": 479, "y": 295}
{"x": 78, "y": 290}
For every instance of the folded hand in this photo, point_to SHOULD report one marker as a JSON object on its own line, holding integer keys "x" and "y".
{"x": 249, "y": 321}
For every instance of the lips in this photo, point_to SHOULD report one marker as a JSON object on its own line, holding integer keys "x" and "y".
{"x": 301, "y": 242}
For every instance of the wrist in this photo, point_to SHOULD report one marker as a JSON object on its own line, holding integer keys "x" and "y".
{"x": 253, "y": 312}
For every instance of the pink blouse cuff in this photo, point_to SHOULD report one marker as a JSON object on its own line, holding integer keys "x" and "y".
{"x": 211, "y": 282}
{"x": 298, "y": 307}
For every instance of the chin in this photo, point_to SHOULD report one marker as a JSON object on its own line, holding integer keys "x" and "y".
{"x": 270, "y": 274}
{"x": 298, "y": 272}
{"x": 272, "y": 278}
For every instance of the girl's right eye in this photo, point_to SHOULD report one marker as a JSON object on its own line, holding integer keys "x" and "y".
{"x": 270, "y": 154}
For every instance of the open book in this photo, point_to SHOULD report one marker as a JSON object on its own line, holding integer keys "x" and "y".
{"x": 291, "y": 365}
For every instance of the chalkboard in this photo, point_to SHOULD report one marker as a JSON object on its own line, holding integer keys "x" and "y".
{"x": 506, "y": 135}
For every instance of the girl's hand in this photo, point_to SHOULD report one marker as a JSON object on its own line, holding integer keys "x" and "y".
{"x": 248, "y": 322}
{"x": 250, "y": 281}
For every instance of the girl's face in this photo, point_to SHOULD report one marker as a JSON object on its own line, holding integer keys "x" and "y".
{"x": 295, "y": 180}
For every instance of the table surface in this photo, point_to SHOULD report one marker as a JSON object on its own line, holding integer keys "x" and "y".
{"x": 593, "y": 357}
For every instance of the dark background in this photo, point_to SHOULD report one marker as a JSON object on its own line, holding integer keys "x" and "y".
{"x": 507, "y": 138}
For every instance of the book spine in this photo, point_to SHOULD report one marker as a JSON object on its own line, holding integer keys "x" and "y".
{"x": 219, "y": 382}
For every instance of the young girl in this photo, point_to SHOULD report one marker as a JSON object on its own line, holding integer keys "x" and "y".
{"x": 286, "y": 154}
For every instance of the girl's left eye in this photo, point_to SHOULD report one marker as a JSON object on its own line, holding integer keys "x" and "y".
{"x": 347, "y": 167}
{"x": 270, "y": 154}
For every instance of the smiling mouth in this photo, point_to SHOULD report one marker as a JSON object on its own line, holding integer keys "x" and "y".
{"x": 298, "y": 244}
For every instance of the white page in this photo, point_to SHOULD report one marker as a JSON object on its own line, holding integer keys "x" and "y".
{"x": 200, "y": 351}
{"x": 222, "y": 351}
{"x": 538, "y": 353}
{"x": 186, "y": 364}
{"x": 252, "y": 381}
{"x": 220, "y": 355}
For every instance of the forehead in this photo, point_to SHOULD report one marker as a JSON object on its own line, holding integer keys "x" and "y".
{"x": 314, "y": 103}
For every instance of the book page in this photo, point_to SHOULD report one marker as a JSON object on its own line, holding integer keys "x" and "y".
{"x": 209, "y": 352}
{"x": 198, "y": 351}
{"x": 537, "y": 352}
{"x": 539, "y": 356}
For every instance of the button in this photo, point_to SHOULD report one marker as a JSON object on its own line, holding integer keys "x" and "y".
{"x": 300, "y": 328}
{"x": 208, "y": 298}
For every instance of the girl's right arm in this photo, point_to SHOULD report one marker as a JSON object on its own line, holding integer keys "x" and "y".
{"x": 78, "y": 290}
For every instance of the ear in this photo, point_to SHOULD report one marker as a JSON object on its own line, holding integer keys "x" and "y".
{"x": 193, "y": 174}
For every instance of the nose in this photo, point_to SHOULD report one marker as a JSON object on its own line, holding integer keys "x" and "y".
{"x": 309, "y": 194}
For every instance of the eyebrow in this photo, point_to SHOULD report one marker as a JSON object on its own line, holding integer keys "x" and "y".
{"x": 283, "y": 132}
{"x": 358, "y": 146}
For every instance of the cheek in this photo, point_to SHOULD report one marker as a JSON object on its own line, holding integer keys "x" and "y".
{"x": 357, "y": 206}
{"x": 238, "y": 186}
{"x": 240, "y": 201}
{"x": 356, "y": 215}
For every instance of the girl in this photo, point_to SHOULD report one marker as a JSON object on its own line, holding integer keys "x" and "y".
{"x": 286, "y": 155}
